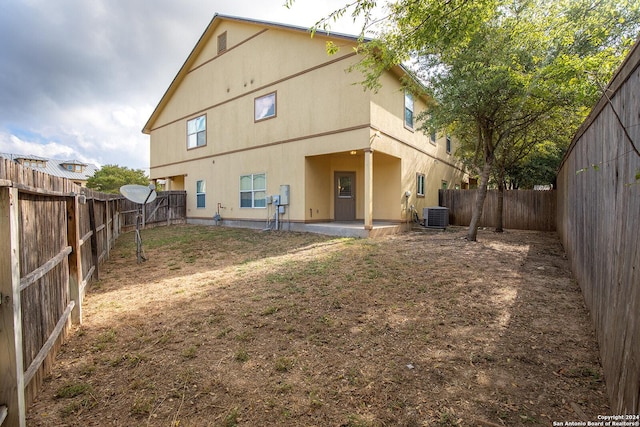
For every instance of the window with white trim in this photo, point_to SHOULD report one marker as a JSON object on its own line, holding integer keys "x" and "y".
{"x": 420, "y": 185}
{"x": 197, "y": 132}
{"x": 253, "y": 190}
{"x": 264, "y": 107}
{"x": 200, "y": 194}
{"x": 408, "y": 109}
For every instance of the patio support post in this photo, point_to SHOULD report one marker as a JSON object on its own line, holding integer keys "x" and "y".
{"x": 368, "y": 188}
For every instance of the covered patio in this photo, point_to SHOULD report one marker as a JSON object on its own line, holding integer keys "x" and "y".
{"x": 353, "y": 193}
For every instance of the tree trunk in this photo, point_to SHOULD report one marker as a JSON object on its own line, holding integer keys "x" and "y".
{"x": 500, "y": 206}
{"x": 482, "y": 194}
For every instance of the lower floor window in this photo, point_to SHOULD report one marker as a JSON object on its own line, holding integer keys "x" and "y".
{"x": 200, "y": 194}
{"x": 420, "y": 185}
{"x": 253, "y": 190}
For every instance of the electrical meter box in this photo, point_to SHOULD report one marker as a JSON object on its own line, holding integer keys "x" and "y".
{"x": 276, "y": 199}
{"x": 284, "y": 194}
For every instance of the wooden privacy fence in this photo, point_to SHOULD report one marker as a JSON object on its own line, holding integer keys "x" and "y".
{"x": 169, "y": 208}
{"x": 55, "y": 235}
{"x": 599, "y": 224}
{"x": 523, "y": 209}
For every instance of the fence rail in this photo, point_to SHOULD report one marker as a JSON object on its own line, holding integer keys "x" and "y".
{"x": 55, "y": 235}
{"x": 523, "y": 209}
{"x": 169, "y": 208}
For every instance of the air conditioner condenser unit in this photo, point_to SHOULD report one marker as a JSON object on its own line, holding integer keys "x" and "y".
{"x": 436, "y": 217}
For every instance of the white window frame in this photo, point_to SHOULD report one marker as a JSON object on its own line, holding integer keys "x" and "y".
{"x": 265, "y": 107}
{"x": 197, "y": 132}
{"x": 408, "y": 107}
{"x": 421, "y": 182}
{"x": 201, "y": 193}
{"x": 253, "y": 191}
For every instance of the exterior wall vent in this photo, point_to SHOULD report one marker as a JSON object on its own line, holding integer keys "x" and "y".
{"x": 436, "y": 217}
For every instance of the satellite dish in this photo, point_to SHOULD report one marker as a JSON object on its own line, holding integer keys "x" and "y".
{"x": 139, "y": 193}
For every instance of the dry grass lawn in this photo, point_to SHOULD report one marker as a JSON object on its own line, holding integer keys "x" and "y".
{"x": 226, "y": 327}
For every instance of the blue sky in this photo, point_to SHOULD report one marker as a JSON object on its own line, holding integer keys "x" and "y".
{"x": 79, "y": 79}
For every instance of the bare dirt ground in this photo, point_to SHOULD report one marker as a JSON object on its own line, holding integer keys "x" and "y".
{"x": 226, "y": 327}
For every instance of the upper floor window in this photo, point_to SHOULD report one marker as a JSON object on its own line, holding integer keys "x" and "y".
{"x": 408, "y": 109}
{"x": 222, "y": 42}
{"x": 34, "y": 163}
{"x": 265, "y": 107}
{"x": 433, "y": 137}
{"x": 449, "y": 144}
{"x": 420, "y": 185}
{"x": 197, "y": 132}
{"x": 73, "y": 167}
{"x": 253, "y": 191}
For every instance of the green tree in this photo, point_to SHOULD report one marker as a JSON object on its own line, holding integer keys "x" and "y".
{"x": 500, "y": 71}
{"x": 110, "y": 178}
{"x": 538, "y": 167}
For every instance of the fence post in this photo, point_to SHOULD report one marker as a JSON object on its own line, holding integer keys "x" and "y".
{"x": 168, "y": 208}
{"x": 107, "y": 222}
{"x": 11, "y": 362}
{"x": 75, "y": 259}
{"x": 94, "y": 238}
{"x": 116, "y": 220}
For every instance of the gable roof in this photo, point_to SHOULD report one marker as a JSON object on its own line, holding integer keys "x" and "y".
{"x": 56, "y": 167}
{"x": 206, "y": 35}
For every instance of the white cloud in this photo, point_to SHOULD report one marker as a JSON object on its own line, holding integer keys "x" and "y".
{"x": 13, "y": 144}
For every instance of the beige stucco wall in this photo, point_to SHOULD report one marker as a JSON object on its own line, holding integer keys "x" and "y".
{"x": 284, "y": 163}
{"x": 418, "y": 153}
{"x": 319, "y": 203}
{"x": 321, "y": 116}
{"x": 225, "y": 88}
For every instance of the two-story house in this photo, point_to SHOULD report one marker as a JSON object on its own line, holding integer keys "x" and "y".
{"x": 260, "y": 115}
